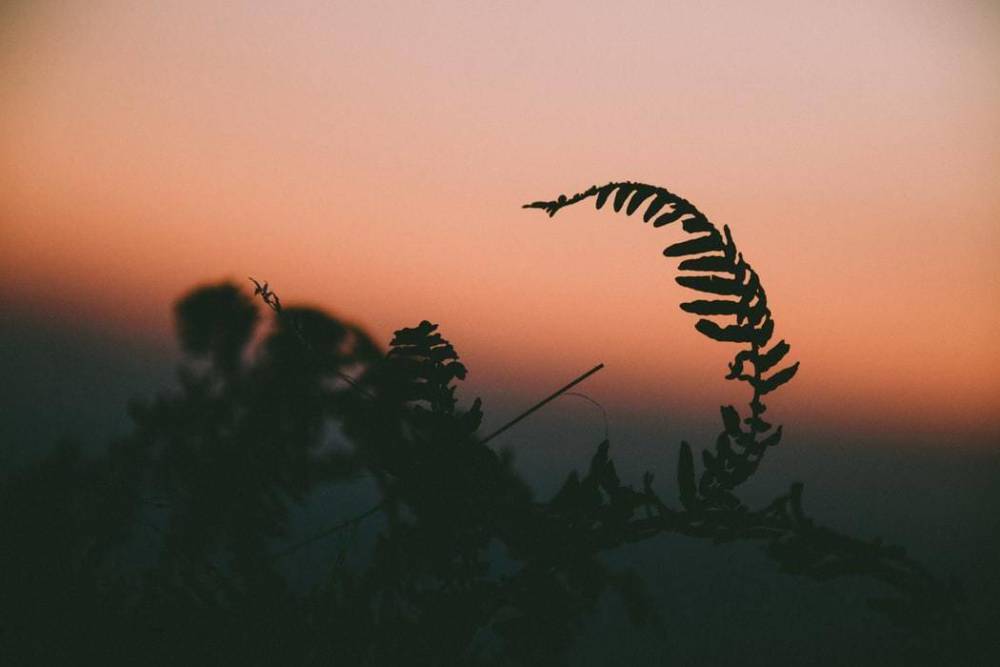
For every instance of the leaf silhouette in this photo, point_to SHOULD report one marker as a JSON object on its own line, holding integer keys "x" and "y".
{"x": 711, "y": 284}
{"x": 714, "y": 307}
{"x": 707, "y": 243}
{"x": 731, "y": 420}
{"x": 767, "y": 385}
{"x": 716, "y": 263}
{"x": 769, "y": 359}
{"x": 729, "y": 334}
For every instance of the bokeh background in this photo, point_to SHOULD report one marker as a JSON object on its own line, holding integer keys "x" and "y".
{"x": 371, "y": 158}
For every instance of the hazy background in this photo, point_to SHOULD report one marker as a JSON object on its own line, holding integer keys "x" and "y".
{"x": 371, "y": 158}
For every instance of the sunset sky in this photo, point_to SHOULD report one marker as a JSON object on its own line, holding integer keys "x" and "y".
{"x": 372, "y": 157}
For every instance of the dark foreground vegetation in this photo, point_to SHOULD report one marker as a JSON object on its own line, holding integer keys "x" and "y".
{"x": 168, "y": 548}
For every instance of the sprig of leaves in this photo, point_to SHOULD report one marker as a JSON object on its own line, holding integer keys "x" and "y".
{"x": 713, "y": 265}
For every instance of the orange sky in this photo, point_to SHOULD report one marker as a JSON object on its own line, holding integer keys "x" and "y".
{"x": 372, "y": 157}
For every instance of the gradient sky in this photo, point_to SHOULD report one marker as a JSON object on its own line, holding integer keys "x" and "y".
{"x": 372, "y": 157}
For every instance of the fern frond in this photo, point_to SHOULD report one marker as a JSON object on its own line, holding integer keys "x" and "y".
{"x": 720, "y": 270}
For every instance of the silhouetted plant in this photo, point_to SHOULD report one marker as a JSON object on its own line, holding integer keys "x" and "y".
{"x": 720, "y": 270}
{"x": 710, "y": 507}
{"x": 170, "y": 548}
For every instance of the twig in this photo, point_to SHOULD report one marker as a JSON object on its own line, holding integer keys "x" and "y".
{"x": 541, "y": 403}
{"x": 274, "y": 303}
{"x": 355, "y": 521}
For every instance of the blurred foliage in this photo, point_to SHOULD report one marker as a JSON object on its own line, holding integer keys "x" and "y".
{"x": 168, "y": 548}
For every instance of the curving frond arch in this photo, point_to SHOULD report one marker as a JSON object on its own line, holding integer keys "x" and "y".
{"x": 712, "y": 264}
